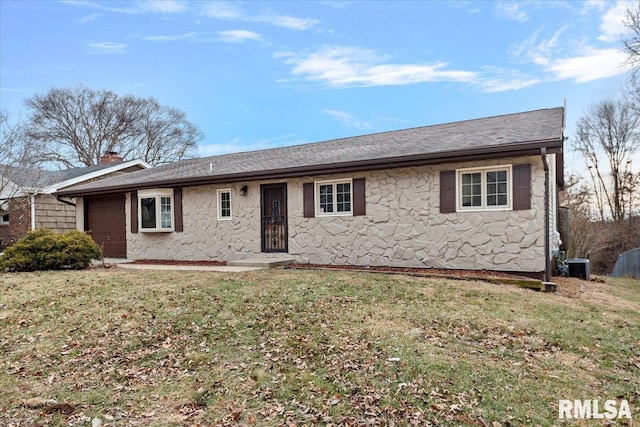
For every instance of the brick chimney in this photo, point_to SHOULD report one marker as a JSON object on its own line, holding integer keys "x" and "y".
{"x": 110, "y": 157}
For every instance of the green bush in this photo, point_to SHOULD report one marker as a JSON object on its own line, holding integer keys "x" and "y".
{"x": 46, "y": 250}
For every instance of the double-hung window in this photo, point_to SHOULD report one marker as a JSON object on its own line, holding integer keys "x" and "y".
{"x": 224, "y": 204}
{"x": 155, "y": 210}
{"x": 484, "y": 188}
{"x": 334, "y": 198}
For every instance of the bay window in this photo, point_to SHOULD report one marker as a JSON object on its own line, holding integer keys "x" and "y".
{"x": 155, "y": 210}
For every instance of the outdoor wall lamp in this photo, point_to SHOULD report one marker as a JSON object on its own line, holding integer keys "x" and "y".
{"x": 243, "y": 190}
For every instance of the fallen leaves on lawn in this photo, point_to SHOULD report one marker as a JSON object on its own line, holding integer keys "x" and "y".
{"x": 224, "y": 353}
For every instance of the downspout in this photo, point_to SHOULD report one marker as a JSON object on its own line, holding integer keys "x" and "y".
{"x": 33, "y": 211}
{"x": 547, "y": 261}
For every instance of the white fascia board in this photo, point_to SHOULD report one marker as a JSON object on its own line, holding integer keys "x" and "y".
{"x": 77, "y": 180}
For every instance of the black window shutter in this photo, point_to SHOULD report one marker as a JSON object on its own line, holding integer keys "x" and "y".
{"x": 134, "y": 211}
{"x": 521, "y": 187}
{"x": 359, "y": 199}
{"x": 447, "y": 191}
{"x": 308, "y": 201}
{"x": 177, "y": 209}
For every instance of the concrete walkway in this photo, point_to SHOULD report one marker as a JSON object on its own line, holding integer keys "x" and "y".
{"x": 126, "y": 263}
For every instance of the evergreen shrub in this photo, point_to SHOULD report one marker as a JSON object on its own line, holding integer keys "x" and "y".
{"x": 45, "y": 249}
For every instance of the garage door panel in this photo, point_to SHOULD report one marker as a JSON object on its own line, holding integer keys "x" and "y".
{"x": 105, "y": 221}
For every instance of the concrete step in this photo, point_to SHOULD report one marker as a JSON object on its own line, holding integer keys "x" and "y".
{"x": 260, "y": 262}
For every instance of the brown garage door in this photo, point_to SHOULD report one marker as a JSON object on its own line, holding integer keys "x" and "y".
{"x": 105, "y": 221}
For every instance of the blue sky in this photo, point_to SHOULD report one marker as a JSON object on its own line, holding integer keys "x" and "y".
{"x": 255, "y": 75}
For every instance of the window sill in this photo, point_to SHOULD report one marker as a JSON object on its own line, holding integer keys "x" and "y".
{"x": 330, "y": 215}
{"x": 500, "y": 209}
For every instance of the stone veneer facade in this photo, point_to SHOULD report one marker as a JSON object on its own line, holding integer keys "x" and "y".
{"x": 402, "y": 227}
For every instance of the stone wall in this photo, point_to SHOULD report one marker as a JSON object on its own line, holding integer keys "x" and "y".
{"x": 403, "y": 226}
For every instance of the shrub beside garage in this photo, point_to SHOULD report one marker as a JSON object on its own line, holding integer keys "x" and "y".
{"x": 45, "y": 249}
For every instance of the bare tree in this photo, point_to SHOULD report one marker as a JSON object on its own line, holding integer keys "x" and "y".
{"x": 631, "y": 46}
{"x": 164, "y": 133}
{"x": 76, "y": 126}
{"x": 607, "y": 138}
{"x": 16, "y": 154}
{"x": 588, "y": 236}
{"x": 16, "y": 151}
{"x": 632, "y": 43}
{"x": 577, "y": 198}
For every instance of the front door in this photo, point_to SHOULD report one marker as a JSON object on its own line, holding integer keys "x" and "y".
{"x": 274, "y": 230}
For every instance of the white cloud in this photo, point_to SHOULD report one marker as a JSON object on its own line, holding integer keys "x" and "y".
{"x": 132, "y": 8}
{"x": 285, "y": 21}
{"x": 506, "y": 83}
{"x": 231, "y": 36}
{"x": 163, "y": 6}
{"x": 175, "y": 37}
{"x": 238, "y": 36}
{"x": 232, "y": 12}
{"x": 342, "y": 66}
{"x": 538, "y": 52}
{"x": 592, "y": 64}
{"x": 612, "y": 26}
{"x": 511, "y": 11}
{"x": 94, "y": 5}
{"x": 106, "y": 47}
{"x": 574, "y": 60}
{"x": 90, "y": 17}
{"x": 592, "y": 4}
{"x": 206, "y": 150}
{"x": 223, "y": 10}
{"x": 236, "y": 145}
{"x": 347, "y": 119}
{"x": 283, "y": 54}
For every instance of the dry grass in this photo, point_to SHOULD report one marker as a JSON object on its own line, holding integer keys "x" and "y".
{"x": 285, "y": 347}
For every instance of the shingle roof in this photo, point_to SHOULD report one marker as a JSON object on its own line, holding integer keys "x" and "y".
{"x": 519, "y": 133}
{"x": 40, "y": 178}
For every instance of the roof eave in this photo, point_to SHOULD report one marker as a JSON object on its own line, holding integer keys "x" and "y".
{"x": 527, "y": 148}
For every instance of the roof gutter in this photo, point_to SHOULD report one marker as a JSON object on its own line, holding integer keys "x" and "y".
{"x": 67, "y": 202}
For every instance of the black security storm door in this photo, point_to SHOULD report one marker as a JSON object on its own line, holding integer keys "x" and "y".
{"x": 273, "y": 202}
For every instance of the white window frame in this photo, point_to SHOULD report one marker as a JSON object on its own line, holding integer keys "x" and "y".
{"x": 4, "y": 212}
{"x": 220, "y": 192}
{"x": 483, "y": 183}
{"x": 333, "y": 183}
{"x": 158, "y": 194}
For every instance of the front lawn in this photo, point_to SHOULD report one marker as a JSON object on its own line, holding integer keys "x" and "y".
{"x": 285, "y": 347}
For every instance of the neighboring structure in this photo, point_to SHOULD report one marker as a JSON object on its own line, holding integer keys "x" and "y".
{"x": 628, "y": 264}
{"x": 465, "y": 195}
{"x": 27, "y": 199}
